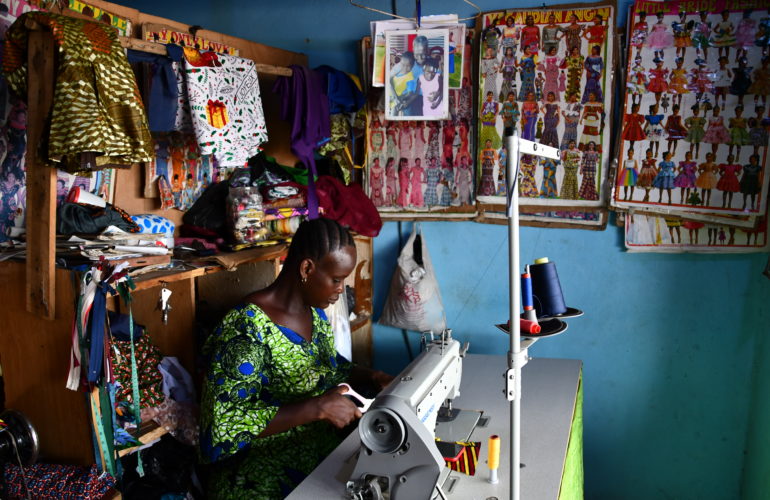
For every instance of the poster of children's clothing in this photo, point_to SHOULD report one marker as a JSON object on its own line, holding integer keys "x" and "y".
{"x": 670, "y": 233}
{"x": 423, "y": 168}
{"x": 544, "y": 76}
{"x": 696, "y": 117}
{"x": 180, "y": 172}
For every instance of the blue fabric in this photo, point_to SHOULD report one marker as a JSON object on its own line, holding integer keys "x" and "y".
{"x": 96, "y": 333}
{"x": 343, "y": 93}
{"x": 162, "y": 102}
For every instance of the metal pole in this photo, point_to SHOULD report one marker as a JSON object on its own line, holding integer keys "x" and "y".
{"x": 514, "y": 294}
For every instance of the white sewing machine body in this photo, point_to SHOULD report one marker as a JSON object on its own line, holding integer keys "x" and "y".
{"x": 398, "y": 458}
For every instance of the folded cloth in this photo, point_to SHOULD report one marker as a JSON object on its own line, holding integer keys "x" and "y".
{"x": 348, "y": 205}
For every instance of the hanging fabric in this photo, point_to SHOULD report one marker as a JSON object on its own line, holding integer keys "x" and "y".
{"x": 304, "y": 104}
{"x": 226, "y": 106}
{"x": 97, "y": 108}
{"x": 162, "y": 98}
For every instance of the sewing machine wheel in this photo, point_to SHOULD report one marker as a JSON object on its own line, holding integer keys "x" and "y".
{"x": 19, "y": 436}
{"x": 382, "y": 430}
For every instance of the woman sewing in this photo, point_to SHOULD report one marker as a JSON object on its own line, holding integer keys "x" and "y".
{"x": 271, "y": 401}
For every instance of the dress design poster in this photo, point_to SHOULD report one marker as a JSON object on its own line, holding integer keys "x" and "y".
{"x": 417, "y": 75}
{"x": 669, "y": 233}
{"x": 423, "y": 168}
{"x": 695, "y": 127}
{"x": 543, "y": 75}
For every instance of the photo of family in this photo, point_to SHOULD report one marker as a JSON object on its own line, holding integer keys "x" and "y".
{"x": 416, "y": 75}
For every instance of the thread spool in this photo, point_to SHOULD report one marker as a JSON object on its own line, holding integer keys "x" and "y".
{"x": 549, "y": 300}
{"x": 526, "y": 297}
{"x": 493, "y": 457}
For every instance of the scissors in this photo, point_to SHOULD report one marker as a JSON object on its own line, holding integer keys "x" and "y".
{"x": 366, "y": 402}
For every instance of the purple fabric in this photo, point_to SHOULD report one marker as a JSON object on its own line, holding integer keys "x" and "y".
{"x": 305, "y": 105}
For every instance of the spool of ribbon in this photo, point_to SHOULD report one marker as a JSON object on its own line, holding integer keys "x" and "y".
{"x": 546, "y": 289}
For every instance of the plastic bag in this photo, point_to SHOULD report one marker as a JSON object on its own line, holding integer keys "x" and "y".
{"x": 246, "y": 217}
{"x": 340, "y": 321}
{"x": 414, "y": 301}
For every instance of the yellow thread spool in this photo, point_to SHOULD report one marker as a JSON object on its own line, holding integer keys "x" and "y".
{"x": 541, "y": 260}
{"x": 493, "y": 457}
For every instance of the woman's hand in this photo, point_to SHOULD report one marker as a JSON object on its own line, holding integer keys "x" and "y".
{"x": 335, "y": 408}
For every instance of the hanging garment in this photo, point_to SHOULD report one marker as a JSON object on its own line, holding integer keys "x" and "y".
{"x": 305, "y": 106}
{"x": 162, "y": 97}
{"x": 97, "y": 107}
{"x": 226, "y": 106}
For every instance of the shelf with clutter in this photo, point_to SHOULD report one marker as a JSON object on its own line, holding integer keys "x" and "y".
{"x": 148, "y": 226}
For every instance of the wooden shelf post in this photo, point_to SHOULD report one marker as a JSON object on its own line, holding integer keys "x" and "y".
{"x": 41, "y": 179}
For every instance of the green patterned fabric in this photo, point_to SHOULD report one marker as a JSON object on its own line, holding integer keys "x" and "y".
{"x": 572, "y": 477}
{"x": 97, "y": 108}
{"x": 255, "y": 367}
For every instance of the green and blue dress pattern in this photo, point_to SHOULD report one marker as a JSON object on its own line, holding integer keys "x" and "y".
{"x": 255, "y": 366}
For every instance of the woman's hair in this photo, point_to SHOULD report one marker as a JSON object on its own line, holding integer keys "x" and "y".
{"x": 317, "y": 238}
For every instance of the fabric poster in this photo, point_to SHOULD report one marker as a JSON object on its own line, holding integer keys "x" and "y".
{"x": 226, "y": 107}
{"x": 671, "y": 233}
{"x": 423, "y": 167}
{"x": 13, "y": 139}
{"x": 179, "y": 172}
{"x": 543, "y": 75}
{"x": 696, "y": 116}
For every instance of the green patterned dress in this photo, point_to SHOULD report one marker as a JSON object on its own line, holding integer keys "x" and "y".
{"x": 255, "y": 367}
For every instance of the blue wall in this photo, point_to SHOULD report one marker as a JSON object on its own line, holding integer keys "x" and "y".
{"x": 672, "y": 344}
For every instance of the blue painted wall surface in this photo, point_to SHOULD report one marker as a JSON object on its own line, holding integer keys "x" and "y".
{"x": 677, "y": 384}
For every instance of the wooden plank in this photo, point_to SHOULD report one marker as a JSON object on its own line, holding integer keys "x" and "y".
{"x": 41, "y": 180}
{"x": 35, "y": 355}
{"x": 159, "y": 48}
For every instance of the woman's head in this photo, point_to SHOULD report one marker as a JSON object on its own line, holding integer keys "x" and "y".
{"x": 675, "y": 108}
{"x": 551, "y": 97}
{"x": 511, "y": 96}
{"x": 552, "y": 51}
{"x": 754, "y": 159}
{"x": 591, "y": 146}
{"x": 667, "y": 155}
{"x": 323, "y": 254}
{"x": 389, "y": 162}
{"x": 709, "y": 157}
{"x": 649, "y": 153}
{"x": 596, "y": 50}
{"x": 490, "y": 95}
{"x": 730, "y": 158}
{"x": 688, "y": 155}
{"x": 630, "y": 153}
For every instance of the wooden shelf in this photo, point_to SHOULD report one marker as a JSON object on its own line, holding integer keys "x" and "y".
{"x": 147, "y": 435}
{"x": 226, "y": 261}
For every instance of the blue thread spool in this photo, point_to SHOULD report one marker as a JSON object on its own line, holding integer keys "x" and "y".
{"x": 549, "y": 300}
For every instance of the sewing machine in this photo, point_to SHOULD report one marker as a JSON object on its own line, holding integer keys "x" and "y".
{"x": 398, "y": 458}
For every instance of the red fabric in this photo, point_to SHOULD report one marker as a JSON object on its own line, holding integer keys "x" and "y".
{"x": 348, "y": 205}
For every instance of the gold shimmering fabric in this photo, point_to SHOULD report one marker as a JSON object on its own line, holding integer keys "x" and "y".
{"x": 97, "y": 107}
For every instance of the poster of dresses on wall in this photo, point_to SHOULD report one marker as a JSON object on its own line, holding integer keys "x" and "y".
{"x": 696, "y": 117}
{"x": 546, "y": 75}
{"x": 649, "y": 232}
{"x": 423, "y": 168}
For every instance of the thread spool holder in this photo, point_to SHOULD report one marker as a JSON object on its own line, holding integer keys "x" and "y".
{"x": 517, "y": 357}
